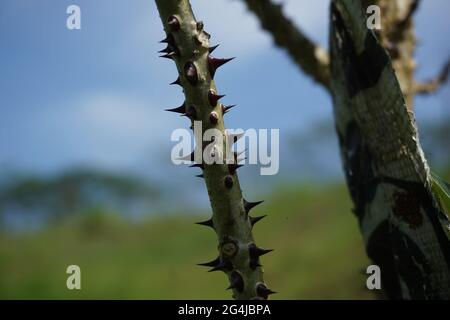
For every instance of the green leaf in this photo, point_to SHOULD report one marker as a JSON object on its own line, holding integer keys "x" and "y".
{"x": 441, "y": 191}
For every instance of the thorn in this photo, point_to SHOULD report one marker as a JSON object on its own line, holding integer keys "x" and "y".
{"x": 215, "y": 63}
{"x": 213, "y": 97}
{"x": 211, "y": 49}
{"x": 213, "y": 263}
{"x": 256, "y": 252}
{"x": 233, "y": 167}
{"x": 263, "y": 291}
{"x": 165, "y": 50}
{"x": 225, "y": 109}
{"x": 191, "y": 73}
{"x": 168, "y": 39}
{"x": 173, "y": 23}
{"x": 197, "y": 165}
{"x": 169, "y": 55}
{"x": 200, "y": 25}
{"x": 228, "y": 181}
{"x": 191, "y": 113}
{"x": 213, "y": 117}
{"x": 207, "y": 223}
{"x": 236, "y": 281}
{"x": 254, "y": 220}
{"x": 250, "y": 205}
{"x": 178, "y": 82}
{"x": 180, "y": 109}
{"x": 222, "y": 266}
{"x": 200, "y": 176}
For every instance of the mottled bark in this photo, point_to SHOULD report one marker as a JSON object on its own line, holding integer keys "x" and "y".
{"x": 387, "y": 173}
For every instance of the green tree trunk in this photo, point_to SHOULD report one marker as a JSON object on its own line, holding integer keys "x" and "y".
{"x": 403, "y": 225}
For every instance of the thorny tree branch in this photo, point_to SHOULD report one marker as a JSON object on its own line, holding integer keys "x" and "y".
{"x": 189, "y": 47}
{"x": 408, "y": 18}
{"x": 310, "y": 57}
{"x": 431, "y": 86}
{"x": 399, "y": 27}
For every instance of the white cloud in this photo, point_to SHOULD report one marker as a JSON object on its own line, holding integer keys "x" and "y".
{"x": 129, "y": 117}
{"x": 106, "y": 129}
{"x": 229, "y": 22}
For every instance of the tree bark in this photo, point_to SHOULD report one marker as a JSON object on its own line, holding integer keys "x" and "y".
{"x": 387, "y": 174}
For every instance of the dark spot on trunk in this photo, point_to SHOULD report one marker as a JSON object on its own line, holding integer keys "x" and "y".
{"x": 407, "y": 208}
{"x": 380, "y": 251}
{"x": 358, "y": 168}
{"x": 362, "y": 70}
{"x": 412, "y": 266}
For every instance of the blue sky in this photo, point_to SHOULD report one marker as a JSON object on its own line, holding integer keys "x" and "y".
{"x": 96, "y": 96}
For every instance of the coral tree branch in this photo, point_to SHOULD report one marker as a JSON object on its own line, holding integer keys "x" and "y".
{"x": 310, "y": 57}
{"x": 435, "y": 84}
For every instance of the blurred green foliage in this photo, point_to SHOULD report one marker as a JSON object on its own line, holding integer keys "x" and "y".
{"x": 70, "y": 192}
{"x": 318, "y": 253}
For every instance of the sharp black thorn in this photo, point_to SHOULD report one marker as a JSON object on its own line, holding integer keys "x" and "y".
{"x": 165, "y": 40}
{"x": 233, "y": 167}
{"x": 180, "y": 109}
{"x": 226, "y": 109}
{"x": 221, "y": 267}
{"x": 169, "y": 55}
{"x": 250, "y": 205}
{"x": 211, "y": 49}
{"x": 178, "y": 82}
{"x": 213, "y": 263}
{"x": 254, "y": 220}
{"x": 213, "y": 98}
{"x": 263, "y": 291}
{"x": 207, "y": 223}
{"x": 215, "y": 63}
{"x": 197, "y": 165}
{"x": 165, "y": 50}
{"x": 256, "y": 252}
